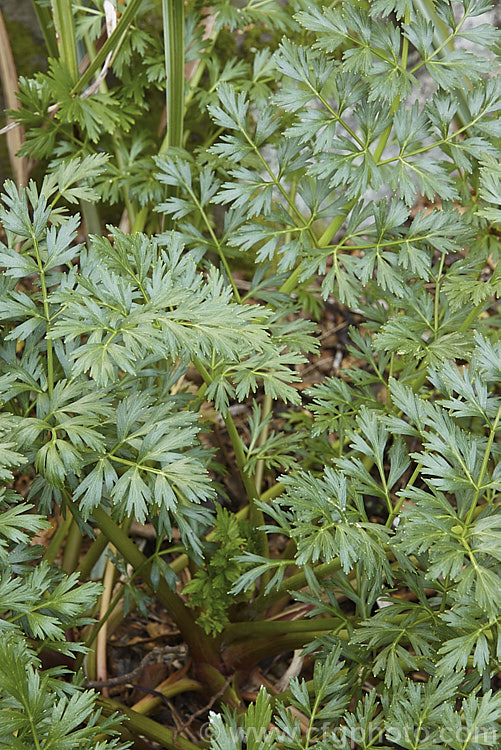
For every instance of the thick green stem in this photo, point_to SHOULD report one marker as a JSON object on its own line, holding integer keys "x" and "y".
{"x": 201, "y": 647}
{"x": 250, "y": 488}
{"x": 336, "y": 224}
{"x": 237, "y": 631}
{"x": 293, "y": 583}
{"x": 90, "y": 215}
{"x": 169, "y": 688}
{"x": 92, "y": 555}
{"x": 57, "y": 540}
{"x": 274, "y": 491}
{"x": 91, "y": 51}
{"x": 46, "y": 27}
{"x": 112, "y": 44}
{"x": 193, "y": 84}
{"x": 140, "y": 220}
{"x": 242, "y": 655}
{"x": 72, "y": 548}
{"x": 62, "y": 13}
{"x": 173, "y": 22}
{"x": 256, "y": 514}
{"x": 142, "y": 725}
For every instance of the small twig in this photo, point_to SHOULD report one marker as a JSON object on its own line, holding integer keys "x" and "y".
{"x": 158, "y": 655}
{"x": 13, "y": 125}
{"x": 9, "y": 127}
{"x": 205, "y": 708}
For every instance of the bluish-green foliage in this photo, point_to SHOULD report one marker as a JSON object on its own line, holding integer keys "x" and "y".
{"x": 313, "y": 174}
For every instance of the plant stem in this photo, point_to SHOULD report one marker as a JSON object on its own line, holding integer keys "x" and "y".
{"x": 91, "y": 51}
{"x": 337, "y": 222}
{"x": 46, "y": 309}
{"x": 214, "y": 238}
{"x": 173, "y": 22}
{"x": 56, "y": 542}
{"x": 140, "y": 220}
{"x": 169, "y": 688}
{"x": 112, "y": 44}
{"x": 44, "y": 17}
{"x": 483, "y": 468}
{"x": 471, "y": 317}
{"x": 436, "y": 305}
{"x": 200, "y": 645}
{"x": 139, "y": 724}
{"x": 256, "y": 513}
{"x": 102, "y": 636}
{"x": 64, "y": 25}
{"x": 242, "y": 655}
{"x": 293, "y": 583}
{"x": 91, "y": 219}
{"x": 263, "y": 437}
{"x": 72, "y": 548}
{"x": 396, "y": 510}
{"x": 250, "y": 488}
{"x": 92, "y": 555}
{"x": 237, "y": 631}
{"x": 274, "y": 491}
